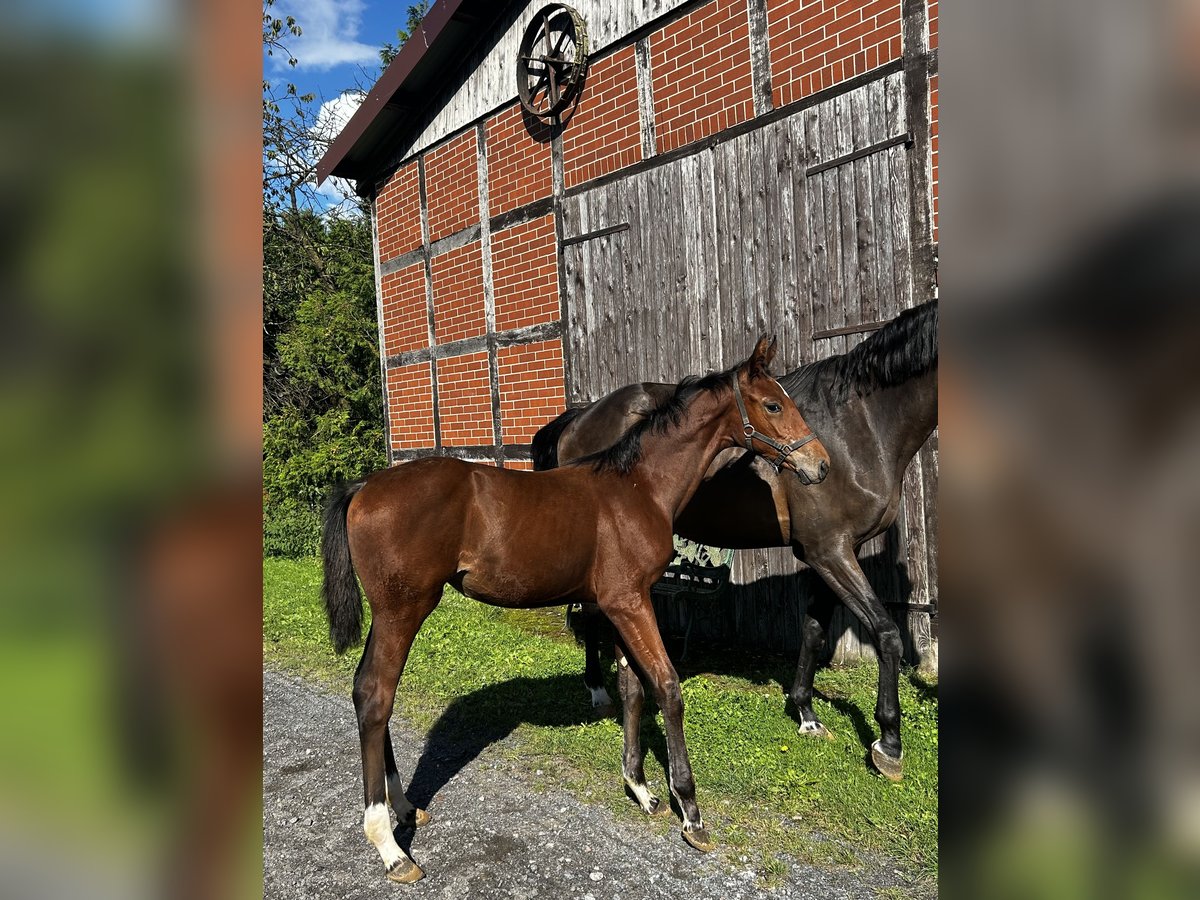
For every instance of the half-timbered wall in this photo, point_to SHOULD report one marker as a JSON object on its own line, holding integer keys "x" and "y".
{"x": 733, "y": 167}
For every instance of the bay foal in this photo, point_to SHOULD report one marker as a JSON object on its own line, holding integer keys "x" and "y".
{"x": 595, "y": 532}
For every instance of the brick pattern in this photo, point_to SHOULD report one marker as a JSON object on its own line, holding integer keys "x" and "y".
{"x": 452, "y": 185}
{"x": 465, "y": 400}
{"x": 518, "y": 161}
{"x": 605, "y": 132}
{"x": 525, "y": 274}
{"x": 405, "y": 313}
{"x": 531, "y": 388}
{"x": 933, "y": 113}
{"x": 410, "y": 407}
{"x": 458, "y": 294}
{"x": 701, "y": 70}
{"x": 816, "y": 44}
{"x": 398, "y": 213}
{"x": 525, "y": 465}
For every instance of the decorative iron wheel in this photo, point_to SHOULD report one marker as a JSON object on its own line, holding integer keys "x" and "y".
{"x": 552, "y": 60}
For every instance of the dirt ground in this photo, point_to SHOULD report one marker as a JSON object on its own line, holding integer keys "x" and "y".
{"x": 498, "y": 831}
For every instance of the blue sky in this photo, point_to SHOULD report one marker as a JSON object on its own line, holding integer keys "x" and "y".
{"x": 340, "y": 44}
{"x": 337, "y": 52}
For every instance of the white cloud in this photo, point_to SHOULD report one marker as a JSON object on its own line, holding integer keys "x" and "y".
{"x": 331, "y": 119}
{"x": 329, "y": 34}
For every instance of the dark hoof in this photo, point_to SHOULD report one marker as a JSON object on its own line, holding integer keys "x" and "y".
{"x": 816, "y": 730}
{"x": 405, "y": 871}
{"x": 417, "y": 818}
{"x": 700, "y": 839}
{"x": 660, "y": 808}
{"x": 889, "y": 767}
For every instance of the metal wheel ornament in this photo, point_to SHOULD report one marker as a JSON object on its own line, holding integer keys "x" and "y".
{"x": 552, "y": 60}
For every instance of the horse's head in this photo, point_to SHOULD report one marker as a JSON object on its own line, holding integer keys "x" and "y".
{"x": 770, "y": 423}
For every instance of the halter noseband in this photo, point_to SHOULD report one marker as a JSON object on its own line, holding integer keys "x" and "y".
{"x": 784, "y": 450}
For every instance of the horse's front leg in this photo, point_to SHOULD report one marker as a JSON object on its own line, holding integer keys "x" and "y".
{"x": 637, "y": 631}
{"x": 842, "y": 573}
{"x": 632, "y": 768}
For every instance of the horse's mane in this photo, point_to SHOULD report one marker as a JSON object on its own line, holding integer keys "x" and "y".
{"x": 627, "y": 451}
{"x": 904, "y": 348}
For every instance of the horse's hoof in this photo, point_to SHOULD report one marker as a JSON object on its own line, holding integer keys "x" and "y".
{"x": 700, "y": 839}
{"x": 817, "y": 730}
{"x": 405, "y": 871}
{"x": 417, "y": 818}
{"x": 659, "y": 808}
{"x": 889, "y": 767}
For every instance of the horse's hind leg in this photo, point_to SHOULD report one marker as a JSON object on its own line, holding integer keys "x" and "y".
{"x": 407, "y": 815}
{"x": 841, "y": 571}
{"x": 388, "y": 644}
{"x": 632, "y": 768}
{"x": 816, "y": 624}
{"x": 593, "y": 672}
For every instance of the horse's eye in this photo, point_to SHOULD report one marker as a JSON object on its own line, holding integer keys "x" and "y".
{"x": 773, "y": 407}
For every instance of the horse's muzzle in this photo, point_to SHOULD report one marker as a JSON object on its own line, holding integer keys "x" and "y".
{"x": 805, "y": 476}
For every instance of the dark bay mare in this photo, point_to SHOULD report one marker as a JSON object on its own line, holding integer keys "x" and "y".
{"x": 873, "y": 408}
{"x": 597, "y": 532}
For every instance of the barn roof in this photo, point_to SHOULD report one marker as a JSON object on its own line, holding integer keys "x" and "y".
{"x": 449, "y": 31}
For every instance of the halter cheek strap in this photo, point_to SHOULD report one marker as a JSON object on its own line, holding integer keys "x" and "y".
{"x": 783, "y": 450}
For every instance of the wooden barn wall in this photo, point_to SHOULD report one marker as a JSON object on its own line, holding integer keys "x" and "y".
{"x": 486, "y": 80}
{"x": 735, "y": 241}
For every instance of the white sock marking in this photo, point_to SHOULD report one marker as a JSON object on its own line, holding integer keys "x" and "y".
{"x": 600, "y": 697}
{"x": 377, "y": 826}
{"x": 641, "y": 793}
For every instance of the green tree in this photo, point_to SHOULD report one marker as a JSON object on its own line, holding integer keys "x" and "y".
{"x": 416, "y": 12}
{"x": 322, "y": 403}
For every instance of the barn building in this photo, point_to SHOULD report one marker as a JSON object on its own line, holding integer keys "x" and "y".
{"x": 698, "y": 173}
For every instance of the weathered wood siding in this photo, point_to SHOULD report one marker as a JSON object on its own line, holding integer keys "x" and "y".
{"x": 487, "y": 80}
{"x": 738, "y": 240}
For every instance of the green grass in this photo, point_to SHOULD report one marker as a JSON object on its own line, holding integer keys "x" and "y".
{"x": 510, "y": 683}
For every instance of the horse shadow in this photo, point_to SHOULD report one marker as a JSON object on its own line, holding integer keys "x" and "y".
{"x": 476, "y": 721}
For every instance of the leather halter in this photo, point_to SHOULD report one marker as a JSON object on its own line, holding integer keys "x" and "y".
{"x": 784, "y": 450}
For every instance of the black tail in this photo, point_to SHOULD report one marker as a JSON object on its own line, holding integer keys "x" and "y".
{"x": 343, "y": 601}
{"x": 545, "y": 443}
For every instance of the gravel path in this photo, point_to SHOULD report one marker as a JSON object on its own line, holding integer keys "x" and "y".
{"x": 496, "y": 831}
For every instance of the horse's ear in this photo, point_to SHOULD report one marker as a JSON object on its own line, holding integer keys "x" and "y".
{"x": 760, "y": 359}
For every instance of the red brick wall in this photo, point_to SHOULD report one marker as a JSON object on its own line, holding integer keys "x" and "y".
{"x": 518, "y": 162}
{"x": 702, "y": 84}
{"x": 817, "y": 43}
{"x": 452, "y": 185}
{"x": 398, "y": 213}
{"x": 525, "y": 274}
{"x": 531, "y": 388}
{"x": 701, "y": 67}
{"x": 410, "y": 406}
{"x": 605, "y": 133}
{"x": 405, "y": 313}
{"x": 458, "y": 294}
{"x": 465, "y": 400}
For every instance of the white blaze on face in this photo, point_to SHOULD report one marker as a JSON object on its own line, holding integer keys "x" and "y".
{"x": 377, "y": 826}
